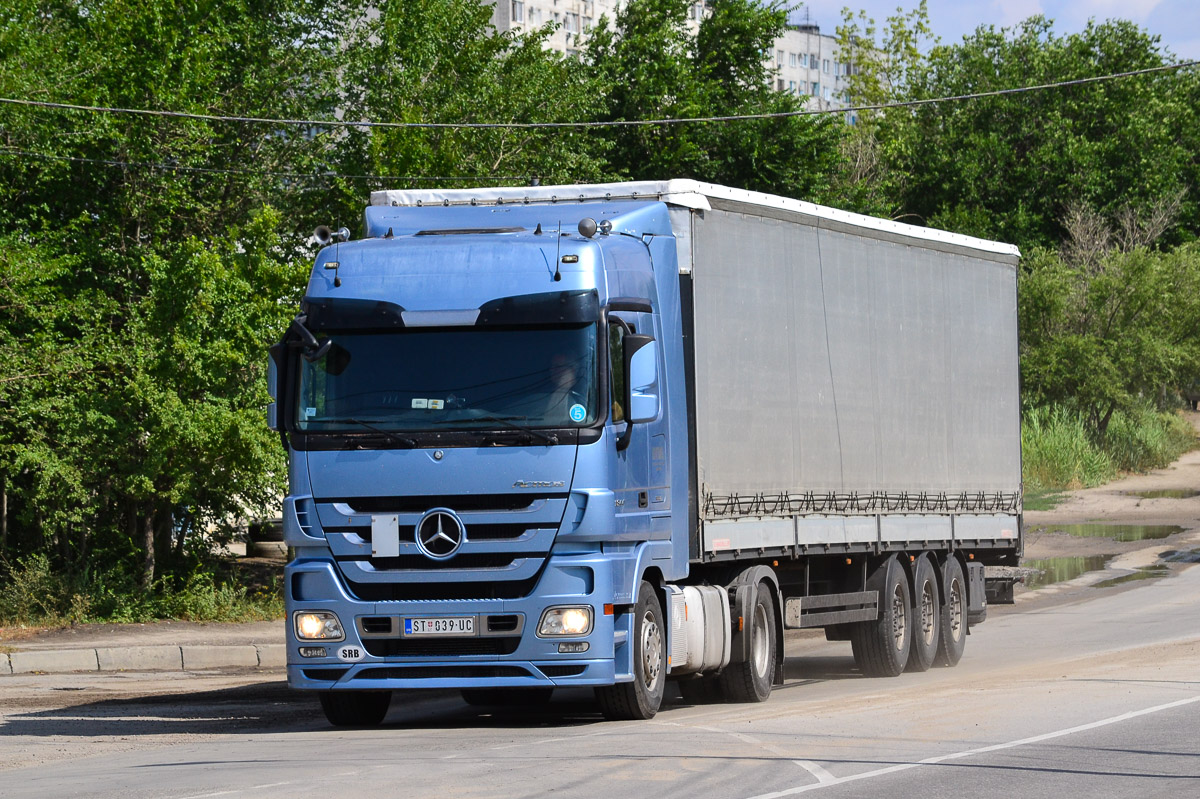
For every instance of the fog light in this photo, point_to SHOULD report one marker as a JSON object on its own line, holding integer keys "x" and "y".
{"x": 318, "y": 625}
{"x": 572, "y": 647}
{"x": 566, "y": 621}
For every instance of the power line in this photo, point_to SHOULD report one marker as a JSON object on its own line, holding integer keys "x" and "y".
{"x": 338, "y": 123}
{"x": 215, "y": 171}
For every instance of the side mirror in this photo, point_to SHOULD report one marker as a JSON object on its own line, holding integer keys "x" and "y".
{"x": 642, "y": 379}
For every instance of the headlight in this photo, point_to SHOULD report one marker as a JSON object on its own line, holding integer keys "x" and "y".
{"x": 566, "y": 621}
{"x": 318, "y": 625}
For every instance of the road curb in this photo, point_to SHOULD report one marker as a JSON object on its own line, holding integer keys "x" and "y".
{"x": 143, "y": 658}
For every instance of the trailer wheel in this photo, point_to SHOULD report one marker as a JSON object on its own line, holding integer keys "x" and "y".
{"x": 506, "y": 697}
{"x": 355, "y": 708}
{"x": 641, "y": 698}
{"x": 927, "y": 618}
{"x": 954, "y": 615}
{"x": 881, "y": 646}
{"x": 751, "y": 680}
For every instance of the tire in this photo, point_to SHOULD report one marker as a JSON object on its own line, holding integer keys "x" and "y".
{"x": 641, "y": 698}
{"x": 927, "y": 616}
{"x": 751, "y": 681}
{"x": 507, "y": 697}
{"x": 954, "y": 615}
{"x": 704, "y": 690}
{"x": 355, "y": 708}
{"x": 881, "y": 646}
{"x": 266, "y": 530}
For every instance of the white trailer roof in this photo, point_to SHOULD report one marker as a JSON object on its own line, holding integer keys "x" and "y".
{"x": 688, "y": 194}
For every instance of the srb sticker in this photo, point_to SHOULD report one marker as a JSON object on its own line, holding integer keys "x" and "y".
{"x": 578, "y": 413}
{"x": 350, "y": 654}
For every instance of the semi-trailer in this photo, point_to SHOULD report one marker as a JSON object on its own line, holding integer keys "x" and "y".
{"x": 614, "y": 435}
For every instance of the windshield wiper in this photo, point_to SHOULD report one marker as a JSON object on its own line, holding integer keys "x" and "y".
{"x": 508, "y": 422}
{"x": 408, "y": 442}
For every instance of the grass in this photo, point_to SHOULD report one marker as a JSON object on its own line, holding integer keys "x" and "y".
{"x": 1059, "y": 452}
{"x": 32, "y": 594}
{"x": 1046, "y": 499}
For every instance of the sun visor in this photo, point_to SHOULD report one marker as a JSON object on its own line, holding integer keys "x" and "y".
{"x": 551, "y": 308}
{"x": 328, "y": 313}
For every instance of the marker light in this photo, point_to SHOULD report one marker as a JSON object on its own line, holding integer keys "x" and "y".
{"x": 566, "y": 621}
{"x": 318, "y": 625}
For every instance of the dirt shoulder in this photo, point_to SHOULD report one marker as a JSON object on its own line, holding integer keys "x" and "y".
{"x": 1118, "y": 503}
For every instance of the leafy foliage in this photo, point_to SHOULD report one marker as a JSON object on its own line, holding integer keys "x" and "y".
{"x": 1008, "y": 167}
{"x": 1098, "y": 339}
{"x": 653, "y": 67}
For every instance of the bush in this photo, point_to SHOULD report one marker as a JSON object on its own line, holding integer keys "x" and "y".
{"x": 1143, "y": 439}
{"x": 1058, "y": 451}
{"x": 32, "y": 594}
{"x": 30, "y": 590}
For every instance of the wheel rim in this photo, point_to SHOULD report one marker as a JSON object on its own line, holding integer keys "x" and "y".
{"x": 899, "y": 618}
{"x": 651, "y": 651}
{"x": 928, "y": 612}
{"x": 954, "y": 606}
{"x": 761, "y": 651}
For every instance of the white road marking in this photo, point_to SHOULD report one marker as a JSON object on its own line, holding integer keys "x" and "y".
{"x": 235, "y": 791}
{"x": 929, "y": 761}
{"x": 812, "y": 768}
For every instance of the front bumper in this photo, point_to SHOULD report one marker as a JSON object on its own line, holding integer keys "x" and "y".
{"x": 370, "y": 660}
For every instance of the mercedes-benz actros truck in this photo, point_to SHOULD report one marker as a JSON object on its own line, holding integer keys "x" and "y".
{"x": 611, "y": 436}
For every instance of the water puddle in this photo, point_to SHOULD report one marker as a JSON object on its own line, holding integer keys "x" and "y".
{"x": 1143, "y": 573}
{"x": 1057, "y": 570}
{"x": 1167, "y": 493}
{"x": 1118, "y": 532}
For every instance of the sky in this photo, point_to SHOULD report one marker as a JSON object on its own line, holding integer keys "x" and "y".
{"x": 1176, "y": 21}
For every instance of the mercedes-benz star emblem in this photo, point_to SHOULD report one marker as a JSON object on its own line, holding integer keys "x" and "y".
{"x": 440, "y": 533}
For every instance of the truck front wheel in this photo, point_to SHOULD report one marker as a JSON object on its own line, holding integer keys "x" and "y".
{"x": 641, "y": 698}
{"x": 881, "y": 646}
{"x": 355, "y": 708}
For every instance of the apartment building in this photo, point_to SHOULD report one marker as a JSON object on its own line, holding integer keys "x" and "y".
{"x": 807, "y": 62}
{"x": 575, "y": 18}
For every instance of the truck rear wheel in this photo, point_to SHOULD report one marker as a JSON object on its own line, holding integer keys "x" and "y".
{"x": 928, "y": 616}
{"x": 954, "y": 615}
{"x": 355, "y": 708}
{"x": 881, "y": 646}
{"x": 641, "y": 698}
{"x": 751, "y": 680}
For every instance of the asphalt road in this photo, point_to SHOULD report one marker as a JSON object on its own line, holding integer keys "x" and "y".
{"x": 1093, "y": 693}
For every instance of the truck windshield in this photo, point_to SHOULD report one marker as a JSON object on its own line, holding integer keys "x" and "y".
{"x": 463, "y": 378}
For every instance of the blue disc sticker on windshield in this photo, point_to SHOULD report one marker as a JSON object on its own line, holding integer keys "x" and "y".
{"x": 578, "y": 413}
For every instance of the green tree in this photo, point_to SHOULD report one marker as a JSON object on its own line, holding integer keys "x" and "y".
{"x": 421, "y": 61}
{"x": 653, "y": 67}
{"x": 1099, "y": 335}
{"x": 146, "y": 279}
{"x": 881, "y": 71}
{"x": 1008, "y": 167}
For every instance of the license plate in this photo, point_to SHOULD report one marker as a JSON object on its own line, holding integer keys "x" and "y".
{"x": 454, "y": 625}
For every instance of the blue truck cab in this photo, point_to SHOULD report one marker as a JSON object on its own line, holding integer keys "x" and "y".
{"x": 486, "y": 451}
